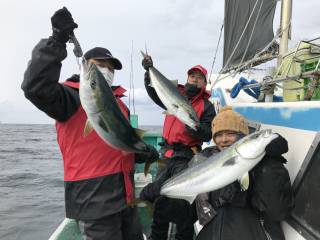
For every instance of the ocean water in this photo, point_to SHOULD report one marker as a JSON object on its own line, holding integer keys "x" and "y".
{"x": 31, "y": 182}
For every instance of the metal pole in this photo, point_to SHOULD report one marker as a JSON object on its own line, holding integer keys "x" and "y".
{"x": 284, "y": 37}
{"x": 286, "y": 8}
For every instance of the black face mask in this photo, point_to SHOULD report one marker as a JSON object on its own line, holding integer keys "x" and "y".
{"x": 191, "y": 90}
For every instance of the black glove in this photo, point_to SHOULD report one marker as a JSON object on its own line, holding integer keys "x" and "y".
{"x": 193, "y": 132}
{"x": 62, "y": 25}
{"x": 230, "y": 194}
{"x": 146, "y": 79}
{"x": 150, "y": 192}
{"x": 277, "y": 147}
{"x": 147, "y": 62}
{"x": 152, "y": 155}
{"x": 189, "y": 129}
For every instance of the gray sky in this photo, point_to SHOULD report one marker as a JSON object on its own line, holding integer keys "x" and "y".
{"x": 178, "y": 33}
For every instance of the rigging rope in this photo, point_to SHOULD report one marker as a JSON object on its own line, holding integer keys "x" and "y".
{"x": 253, "y": 29}
{"x": 240, "y": 38}
{"x": 219, "y": 78}
{"x": 215, "y": 54}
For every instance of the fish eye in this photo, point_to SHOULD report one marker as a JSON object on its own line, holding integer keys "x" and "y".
{"x": 93, "y": 84}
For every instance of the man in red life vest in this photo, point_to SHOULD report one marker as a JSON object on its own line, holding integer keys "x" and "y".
{"x": 181, "y": 142}
{"x": 98, "y": 178}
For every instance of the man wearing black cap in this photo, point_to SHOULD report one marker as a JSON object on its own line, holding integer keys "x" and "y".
{"x": 181, "y": 143}
{"x": 98, "y": 178}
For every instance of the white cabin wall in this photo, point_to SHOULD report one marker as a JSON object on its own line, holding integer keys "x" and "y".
{"x": 299, "y": 142}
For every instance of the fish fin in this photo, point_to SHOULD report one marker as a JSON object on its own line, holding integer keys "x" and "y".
{"x": 165, "y": 112}
{"x": 140, "y": 132}
{"x": 244, "y": 182}
{"x": 229, "y": 162}
{"x": 143, "y": 54}
{"x": 174, "y": 82}
{"x": 197, "y": 158}
{"x": 87, "y": 128}
{"x": 147, "y": 167}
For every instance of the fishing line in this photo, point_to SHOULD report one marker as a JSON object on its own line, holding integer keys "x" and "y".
{"x": 253, "y": 29}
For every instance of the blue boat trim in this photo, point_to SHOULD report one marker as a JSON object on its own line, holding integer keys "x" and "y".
{"x": 307, "y": 119}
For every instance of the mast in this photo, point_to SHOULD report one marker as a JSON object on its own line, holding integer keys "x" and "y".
{"x": 285, "y": 27}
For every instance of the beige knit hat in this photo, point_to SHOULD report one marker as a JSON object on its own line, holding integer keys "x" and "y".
{"x": 229, "y": 120}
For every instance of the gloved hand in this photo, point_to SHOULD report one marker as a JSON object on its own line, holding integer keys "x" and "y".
{"x": 62, "y": 25}
{"x": 193, "y": 132}
{"x": 229, "y": 194}
{"x": 277, "y": 147}
{"x": 150, "y": 192}
{"x": 189, "y": 129}
{"x": 147, "y": 62}
{"x": 146, "y": 79}
{"x": 152, "y": 155}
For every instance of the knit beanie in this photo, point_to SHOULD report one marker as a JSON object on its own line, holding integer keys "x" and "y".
{"x": 229, "y": 120}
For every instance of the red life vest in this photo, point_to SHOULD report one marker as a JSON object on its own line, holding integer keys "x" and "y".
{"x": 90, "y": 157}
{"x": 174, "y": 130}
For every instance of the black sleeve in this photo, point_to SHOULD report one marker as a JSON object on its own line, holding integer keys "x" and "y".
{"x": 40, "y": 83}
{"x": 151, "y": 92}
{"x": 271, "y": 192}
{"x": 204, "y": 131}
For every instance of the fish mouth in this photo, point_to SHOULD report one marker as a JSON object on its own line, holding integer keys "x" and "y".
{"x": 87, "y": 66}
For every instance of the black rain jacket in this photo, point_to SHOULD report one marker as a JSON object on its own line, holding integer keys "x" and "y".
{"x": 85, "y": 199}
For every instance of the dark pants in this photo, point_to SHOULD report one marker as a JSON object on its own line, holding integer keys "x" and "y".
{"x": 124, "y": 225}
{"x": 168, "y": 210}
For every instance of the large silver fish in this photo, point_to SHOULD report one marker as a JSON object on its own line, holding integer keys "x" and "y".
{"x": 218, "y": 171}
{"x": 172, "y": 99}
{"x": 104, "y": 113}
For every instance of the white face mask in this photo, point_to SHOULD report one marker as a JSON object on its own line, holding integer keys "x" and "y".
{"x": 108, "y": 75}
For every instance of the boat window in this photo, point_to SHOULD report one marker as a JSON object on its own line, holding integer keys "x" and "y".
{"x": 305, "y": 216}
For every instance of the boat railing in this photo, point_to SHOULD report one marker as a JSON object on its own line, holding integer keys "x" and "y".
{"x": 307, "y": 57}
